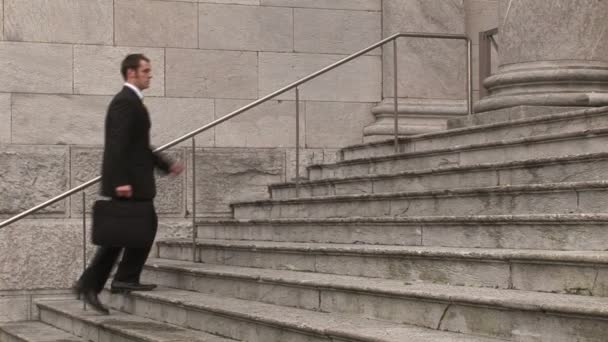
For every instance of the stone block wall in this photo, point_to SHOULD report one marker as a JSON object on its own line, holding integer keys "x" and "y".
{"x": 59, "y": 68}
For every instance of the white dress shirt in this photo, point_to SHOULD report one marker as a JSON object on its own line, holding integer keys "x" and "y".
{"x": 136, "y": 90}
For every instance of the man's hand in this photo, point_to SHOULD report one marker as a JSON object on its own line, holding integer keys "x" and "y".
{"x": 124, "y": 191}
{"x": 176, "y": 169}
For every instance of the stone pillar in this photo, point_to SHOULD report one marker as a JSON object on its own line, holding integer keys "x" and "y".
{"x": 431, "y": 72}
{"x": 552, "y": 53}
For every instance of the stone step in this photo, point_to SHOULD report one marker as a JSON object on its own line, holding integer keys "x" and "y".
{"x": 549, "y": 232}
{"x": 530, "y": 148}
{"x": 574, "y": 272}
{"x": 34, "y": 331}
{"x": 261, "y": 322}
{"x": 118, "y": 326}
{"x": 552, "y": 198}
{"x": 587, "y": 167}
{"x": 566, "y": 122}
{"x": 510, "y": 114}
{"x": 431, "y": 306}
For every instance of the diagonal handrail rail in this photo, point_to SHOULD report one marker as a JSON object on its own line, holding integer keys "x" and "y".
{"x": 264, "y": 99}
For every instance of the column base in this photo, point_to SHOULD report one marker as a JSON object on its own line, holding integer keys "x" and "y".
{"x": 547, "y": 83}
{"x": 416, "y": 116}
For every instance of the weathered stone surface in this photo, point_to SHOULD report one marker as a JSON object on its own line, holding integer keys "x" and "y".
{"x": 62, "y": 21}
{"x": 174, "y": 228}
{"x": 467, "y": 273}
{"x": 428, "y": 68}
{"x": 225, "y": 176}
{"x": 32, "y": 175}
{"x": 156, "y": 23}
{"x": 174, "y": 117}
{"x": 367, "y": 5}
{"x": 5, "y": 118}
{"x": 233, "y": 2}
{"x": 357, "y": 81}
{"x": 18, "y": 305}
{"x": 2, "y": 19}
{"x": 543, "y": 63}
{"x": 13, "y": 308}
{"x": 236, "y": 27}
{"x": 86, "y": 165}
{"x": 97, "y": 69}
{"x": 346, "y": 232}
{"x": 576, "y": 279}
{"x": 236, "y": 288}
{"x": 481, "y": 15}
{"x": 79, "y": 119}
{"x": 41, "y": 254}
{"x": 35, "y": 68}
{"x": 213, "y": 74}
{"x": 329, "y": 31}
{"x": 336, "y": 124}
{"x": 559, "y": 30}
{"x": 462, "y": 203}
{"x": 170, "y": 189}
{"x": 521, "y": 326}
{"x": 426, "y": 314}
{"x": 272, "y": 124}
{"x": 59, "y": 119}
{"x": 307, "y": 157}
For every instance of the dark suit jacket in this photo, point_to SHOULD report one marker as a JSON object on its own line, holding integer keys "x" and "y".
{"x": 127, "y": 156}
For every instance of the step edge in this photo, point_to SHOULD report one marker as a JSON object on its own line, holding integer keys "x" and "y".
{"x": 568, "y": 159}
{"x": 516, "y": 188}
{"x": 461, "y": 253}
{"x": 306, "y": 328}
{"x": 462, "y": 148}
{"x": 588, "y": 112}
{"x": 44, "y": 305}
{"x": 462, "y": 299}
{"x": 477, "y": 219}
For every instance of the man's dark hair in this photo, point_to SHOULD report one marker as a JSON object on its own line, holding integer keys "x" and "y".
{"x": 131, "y": 62}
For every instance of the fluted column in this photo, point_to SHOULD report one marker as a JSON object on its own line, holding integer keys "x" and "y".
{"x": 552, "y": 53}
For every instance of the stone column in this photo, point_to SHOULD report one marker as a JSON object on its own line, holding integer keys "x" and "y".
{"x": 552, "y": 53}
{"x": 431, "y": 72}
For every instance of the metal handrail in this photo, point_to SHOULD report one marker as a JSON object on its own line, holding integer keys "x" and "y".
{"x": 268, "y": 97}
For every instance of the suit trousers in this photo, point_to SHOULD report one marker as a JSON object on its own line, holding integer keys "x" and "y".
{"x": 129, "y": 270}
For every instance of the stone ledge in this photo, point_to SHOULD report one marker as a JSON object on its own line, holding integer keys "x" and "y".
{"x": 568, "y": 115}
{"x": 580, "y": 258}
{"x": 118, "y": 325}
{"x": 33, "y": 331}
{"x": 309, "y": 323}
{"x": 497, "y": 298}
{"x": 526, "y": 188}
{"x": 451, "y": 169}
{"x": 503, "y": 143}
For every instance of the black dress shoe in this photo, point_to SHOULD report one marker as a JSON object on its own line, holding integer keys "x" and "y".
{"x": 90, "y": 297}
{"x": 122, "y": 287}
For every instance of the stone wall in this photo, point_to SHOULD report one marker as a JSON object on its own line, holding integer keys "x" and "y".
{"x": 59, "y": 67}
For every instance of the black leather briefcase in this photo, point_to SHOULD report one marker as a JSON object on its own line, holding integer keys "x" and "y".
{"x": 124, "y": 223}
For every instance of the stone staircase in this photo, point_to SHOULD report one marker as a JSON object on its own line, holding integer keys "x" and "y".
{"x": 494, "y": 232}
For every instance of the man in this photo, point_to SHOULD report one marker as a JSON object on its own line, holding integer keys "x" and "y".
{"x": 127, "y": 174}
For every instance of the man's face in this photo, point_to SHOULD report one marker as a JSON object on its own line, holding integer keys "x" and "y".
{"x": 142, "y": 76}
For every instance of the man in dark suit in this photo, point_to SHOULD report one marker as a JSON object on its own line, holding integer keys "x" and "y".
{"x": 127, "y": 174}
